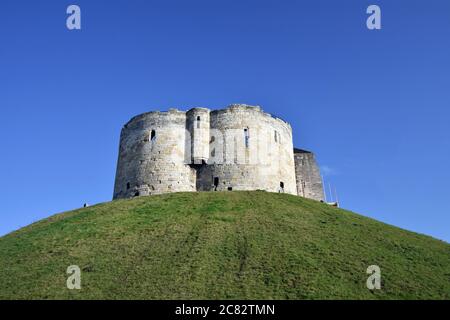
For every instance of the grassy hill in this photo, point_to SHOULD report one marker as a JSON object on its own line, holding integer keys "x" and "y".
{"x": 234, "y": 245}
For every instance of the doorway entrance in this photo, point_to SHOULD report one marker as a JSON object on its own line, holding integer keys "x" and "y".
{"x": 216, "y": 183}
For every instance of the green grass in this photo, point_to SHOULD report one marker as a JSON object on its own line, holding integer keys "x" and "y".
{"x": 233, "y": 245}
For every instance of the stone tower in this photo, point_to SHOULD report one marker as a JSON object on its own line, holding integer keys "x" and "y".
{"x": 309, "y": 180}
{"x": 240, "y": 147}
{"x": 197, "y": 124}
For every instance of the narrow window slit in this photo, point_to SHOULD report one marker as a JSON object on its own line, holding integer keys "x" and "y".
{"x": 153, "y": 135}
{"x": 246, "y": 137}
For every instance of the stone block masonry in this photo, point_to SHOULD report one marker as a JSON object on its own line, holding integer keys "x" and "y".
{"x": 240, "y": 147}
{"x": 308, "y": 178}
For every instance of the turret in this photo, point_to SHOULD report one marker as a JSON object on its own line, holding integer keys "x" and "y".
{"x": 197, "y": 124}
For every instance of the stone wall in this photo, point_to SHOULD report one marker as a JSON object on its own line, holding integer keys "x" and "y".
{"x": 197, "y": 124}
{"x": 152, "y": 156}
{"x": 309, "y": 180}
{"x": 237, "y": 148}
{"x": 257, "y": 152}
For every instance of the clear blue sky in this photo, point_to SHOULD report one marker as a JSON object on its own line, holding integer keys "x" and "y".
{"x": 373, "y": 105}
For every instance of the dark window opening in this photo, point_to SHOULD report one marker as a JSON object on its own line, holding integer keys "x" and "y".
{"x": 281, "y": 186}
{"x": 230, "y": 188}
{"x": 198, "y": 118}
{"x": 212, "y": 139}
{"x": 216, "y": 183}
{"x": 128, "y": 186}
{"x": 276, "y": 136}
{"x": 198, "y": 122}
{"x": 153, "y": 135}
{"x": 246, "y": 137}
{"x": 137, "y": 194}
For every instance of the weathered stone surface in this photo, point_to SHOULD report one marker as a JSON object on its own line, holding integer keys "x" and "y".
{"x": 309, "y": 180}
{"x": 237, "y": 148}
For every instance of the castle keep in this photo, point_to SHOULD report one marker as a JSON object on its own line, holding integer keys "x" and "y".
{"x": 237, "y": 148}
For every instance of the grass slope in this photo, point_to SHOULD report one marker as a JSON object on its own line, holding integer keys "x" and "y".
{"x": 234, "y": 245}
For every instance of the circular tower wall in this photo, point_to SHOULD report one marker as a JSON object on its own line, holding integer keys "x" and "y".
{"x": 152, "y": 156}
{"x": 249, "y": 150}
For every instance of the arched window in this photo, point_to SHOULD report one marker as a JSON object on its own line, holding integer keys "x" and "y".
{"x": 198, "y": 122}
